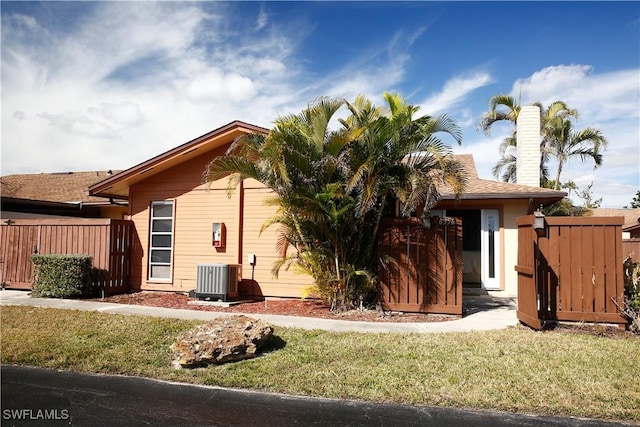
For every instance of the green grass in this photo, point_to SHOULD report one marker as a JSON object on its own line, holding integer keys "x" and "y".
{"x": 558, "y": 372}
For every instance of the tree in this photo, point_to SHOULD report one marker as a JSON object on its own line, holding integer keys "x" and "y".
{"x": 400, "y": 156}
{"x": 587, "y": 197}
{"x": 506, "y": 108}
{"x": 635, "y": 202}
{"x": 501, "y": 108}
{"x": 566, "y": 143}
{"x": 508, "y": 160}
{"x": 331, "y": 186}
{"x": 297, "y": 160}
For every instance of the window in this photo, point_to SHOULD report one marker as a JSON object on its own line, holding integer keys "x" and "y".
{"x": 161, "y": 240}
{"x": 471, "y": 225}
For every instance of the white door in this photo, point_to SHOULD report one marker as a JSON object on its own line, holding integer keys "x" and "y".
{"x": 490, "y": 241}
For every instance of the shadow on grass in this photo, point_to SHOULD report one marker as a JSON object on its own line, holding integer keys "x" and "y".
{"x": 274, "y": 343}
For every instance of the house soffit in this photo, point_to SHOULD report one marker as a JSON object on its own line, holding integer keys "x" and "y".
{"x": 119, "y": 184}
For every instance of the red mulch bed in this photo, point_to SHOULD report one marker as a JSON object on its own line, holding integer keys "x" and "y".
{"x": 315, "y": 308}
{"x": 284, "y": 306}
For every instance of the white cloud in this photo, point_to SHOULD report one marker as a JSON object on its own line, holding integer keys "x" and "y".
{"x": 79, "y": 125}
{"x": 129, "y": 80}
{"x": 123, "y": 113}
{"x": 607, "y": 101}
{"x": 214, "y": 83}
{"x": 263, "y": 19}
{"x": 455, "y": 91}
{"x": 607, "y": 96}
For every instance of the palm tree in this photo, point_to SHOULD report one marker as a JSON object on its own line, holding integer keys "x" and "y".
{"x": 331, "y": 186}
{"x": 567, "y": 143}
{"x": 506, "y": 108}
{"x": 501, "y": 108}
{"x": 399, "y": 156}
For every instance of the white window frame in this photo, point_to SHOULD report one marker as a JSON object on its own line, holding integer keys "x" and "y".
{"x": 490, "y": 241}
{"x": 153, "y": 233}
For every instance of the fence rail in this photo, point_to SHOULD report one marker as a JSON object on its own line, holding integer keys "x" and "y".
{"x": 107, "y": 241}
{"x": 423, "y": 271}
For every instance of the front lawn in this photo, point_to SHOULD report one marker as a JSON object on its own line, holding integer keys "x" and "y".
{"x": 559, "y": 372}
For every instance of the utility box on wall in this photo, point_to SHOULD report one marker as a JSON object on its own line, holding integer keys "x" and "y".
{"x": 218, "y": 235}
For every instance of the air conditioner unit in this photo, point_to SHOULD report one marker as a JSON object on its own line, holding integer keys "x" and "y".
{"x": 217, "y": 281}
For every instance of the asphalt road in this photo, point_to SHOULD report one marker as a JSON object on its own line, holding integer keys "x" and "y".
{"x": 41, "y": 397}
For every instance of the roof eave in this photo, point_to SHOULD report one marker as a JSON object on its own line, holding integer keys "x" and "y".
{"x": 119, "y": 180}
{"x": 548, "y": 197}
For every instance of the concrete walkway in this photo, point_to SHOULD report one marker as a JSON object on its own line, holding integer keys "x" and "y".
{"x": 484, "y": 312}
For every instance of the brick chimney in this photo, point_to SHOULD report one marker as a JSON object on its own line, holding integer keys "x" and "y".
{"x": 528, "y": 139}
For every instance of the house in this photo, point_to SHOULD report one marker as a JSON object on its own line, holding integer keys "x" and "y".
{"x": 633, "y": 231}
{"x": 489, "y": 232}
{"x": 54, "y": 195}
{"x": 181, "y": 223}
{"x": 177, "y": 217}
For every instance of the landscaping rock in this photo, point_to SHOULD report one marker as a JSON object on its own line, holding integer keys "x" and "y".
{"x": 222, "y": 340}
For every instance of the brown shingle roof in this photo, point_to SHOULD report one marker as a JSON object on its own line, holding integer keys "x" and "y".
{"x": 71, "y": 187}
{"x": 479, "y": 188}
{"x": 631, "y": 216}
{"x": 66, "y": 187}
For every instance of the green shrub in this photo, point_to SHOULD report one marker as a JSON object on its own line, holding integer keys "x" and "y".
{"x": 61, "y": 276}
{"x": 631, "y": 305}
{"x": 632, "y": 282}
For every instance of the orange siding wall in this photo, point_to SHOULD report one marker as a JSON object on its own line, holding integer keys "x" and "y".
{"x": 288, "y": 284}
{"x": 196, "y": 207}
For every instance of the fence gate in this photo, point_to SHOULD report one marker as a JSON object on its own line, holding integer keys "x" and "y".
{"x": 571, "y": 270}
{"x": 423, "y": 265}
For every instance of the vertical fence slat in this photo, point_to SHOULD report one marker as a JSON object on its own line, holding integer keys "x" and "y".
{"x": 599, "y": 265}
{"x": 588, "y": 275}
{"x": 614, "y": 275}
{"x": 528, "y": 312}
{"x": 575, "y": 282}
{"x": 565, "y": 273}
{"x": 553, "y": 259}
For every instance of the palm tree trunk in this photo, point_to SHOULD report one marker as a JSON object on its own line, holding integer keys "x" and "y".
{"x": 557, "y": 185}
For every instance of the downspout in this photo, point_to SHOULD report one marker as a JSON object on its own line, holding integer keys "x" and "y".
{"x": 240, "y": 222}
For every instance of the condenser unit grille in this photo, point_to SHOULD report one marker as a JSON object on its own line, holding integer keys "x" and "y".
{"x": 218, "y": 281}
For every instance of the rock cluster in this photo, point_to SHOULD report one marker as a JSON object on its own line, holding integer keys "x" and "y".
{"x": 222, "y": 340}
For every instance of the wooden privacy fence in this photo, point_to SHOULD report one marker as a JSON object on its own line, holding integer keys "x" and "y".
{"x": 570, "y": 270}
{"x": 631, "y": 247}
{"x": 423, "y": 270}
{"x": 107, "y": 241}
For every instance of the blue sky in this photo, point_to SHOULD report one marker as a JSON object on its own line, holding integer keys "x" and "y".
{"x": 107, "y": 85}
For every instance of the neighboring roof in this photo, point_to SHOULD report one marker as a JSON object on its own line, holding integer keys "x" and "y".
{"x": 59, "y": 187}
{"x": 118, "y": 185}
{"x": 479, "y": 189}
{"x": 631, "y": 228}
{"x": 631, "y": 216}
